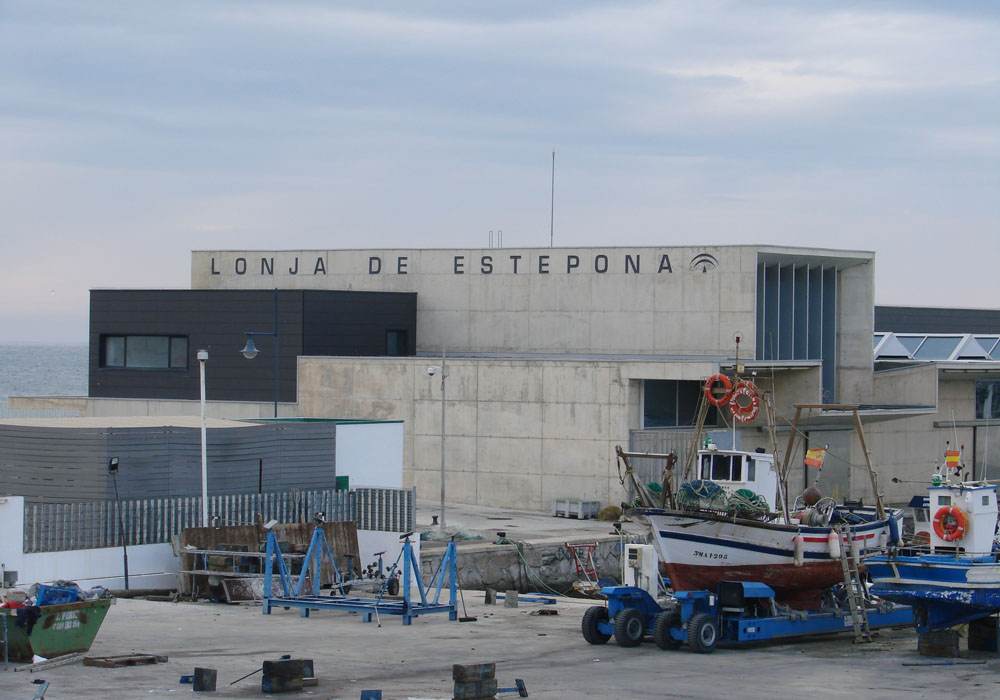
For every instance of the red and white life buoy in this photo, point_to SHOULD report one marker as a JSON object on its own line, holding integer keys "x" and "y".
{"x": 746, "y": 410}
{"x": 722, "y": 399}
{"x": 950, "y": 523}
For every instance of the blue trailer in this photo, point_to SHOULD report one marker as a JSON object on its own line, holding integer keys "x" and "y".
{"x": 738, "y": 613}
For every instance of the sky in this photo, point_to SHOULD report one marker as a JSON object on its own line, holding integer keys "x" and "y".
{"x": 132, "y": 133}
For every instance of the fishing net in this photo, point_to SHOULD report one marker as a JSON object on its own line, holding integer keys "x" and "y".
{"x": 746, "y": 503}
{"x": 703, "y": 494}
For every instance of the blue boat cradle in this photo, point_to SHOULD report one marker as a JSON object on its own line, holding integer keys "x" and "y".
{"x": 295, "y": 597}
{"x": 740, "y": 612}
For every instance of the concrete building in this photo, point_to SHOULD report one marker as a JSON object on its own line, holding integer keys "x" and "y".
{"x": 557, "y": 355}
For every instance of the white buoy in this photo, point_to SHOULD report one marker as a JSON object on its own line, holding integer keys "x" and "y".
{"x": 833, "y": 542}
{"x": 799, "y": 544}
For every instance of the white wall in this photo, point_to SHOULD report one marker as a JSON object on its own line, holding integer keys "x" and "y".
{"x": 371, "y": 454}
{"x": 150, "y": 565}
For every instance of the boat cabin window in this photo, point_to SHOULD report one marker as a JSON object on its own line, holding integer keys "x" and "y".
{"x": 722, "y": 467}
{"x": 986, "y": 500}
{"x": 944, "y": 500}
{"x": 751, "y": 469}
{"x": 920, "y": 515}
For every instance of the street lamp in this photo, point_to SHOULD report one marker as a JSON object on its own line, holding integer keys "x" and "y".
{"x": 202, "y": 359}
{"x": 113, "y": 471}
{"x": 441, "y": 369}
{"x": 250, "y": 350}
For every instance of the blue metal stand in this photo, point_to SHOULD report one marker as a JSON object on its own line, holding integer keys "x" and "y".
{"x": 290, "y": 598}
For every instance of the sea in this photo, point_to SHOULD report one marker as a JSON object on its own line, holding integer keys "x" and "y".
{"x": 42, "y": 370}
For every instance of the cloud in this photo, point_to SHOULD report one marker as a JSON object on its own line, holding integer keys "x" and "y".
{"x": 132, "y": 133}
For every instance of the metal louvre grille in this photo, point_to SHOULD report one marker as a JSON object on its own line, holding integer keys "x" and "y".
{"x": 55, "y": 527}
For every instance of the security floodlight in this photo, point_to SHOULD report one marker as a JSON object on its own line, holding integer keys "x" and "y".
{"x": 249, "y": 350}
{"x": 112, "y": 465}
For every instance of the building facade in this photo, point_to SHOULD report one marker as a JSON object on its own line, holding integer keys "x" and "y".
{"x": 555, "y": 356}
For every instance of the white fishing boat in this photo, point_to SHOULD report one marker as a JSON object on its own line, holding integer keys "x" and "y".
{"x": 731, "y": 524}
{"x": 954, "y": 577}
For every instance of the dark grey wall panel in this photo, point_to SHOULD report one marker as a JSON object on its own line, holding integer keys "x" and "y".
{"x": 52, "y": 465}
{"x": 915, "y": 319}
{"x": 59, "y": 465}
{"x": 355, "y": 323}
{"x": 338, "y": 323}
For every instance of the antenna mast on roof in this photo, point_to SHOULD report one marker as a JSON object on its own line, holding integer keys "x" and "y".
{"x": 552, "y": 209}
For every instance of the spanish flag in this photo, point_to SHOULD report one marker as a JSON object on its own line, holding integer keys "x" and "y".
{"x": 814, "y": 457}
{"x": 951, "y": 458}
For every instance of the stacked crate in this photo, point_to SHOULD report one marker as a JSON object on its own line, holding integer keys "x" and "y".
{"x": 474, "y": 681}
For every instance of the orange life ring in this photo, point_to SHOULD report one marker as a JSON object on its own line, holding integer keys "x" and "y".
{"x": 744, "y": 413}
{"x": 950, "y": 531}
{"x": 710, "y": 383}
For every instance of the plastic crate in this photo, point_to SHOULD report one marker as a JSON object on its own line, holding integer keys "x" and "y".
{"x": 575, "y": 508}
{"x": 52, "y": 595}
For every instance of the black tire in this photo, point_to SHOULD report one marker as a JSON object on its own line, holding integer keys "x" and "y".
{"x": 661, "y": 629}
{"x": 393, "y": 586}
{"x": 703, "y": 633}
{"x": 630, "y": 627}
{"x": 593, "y": 616}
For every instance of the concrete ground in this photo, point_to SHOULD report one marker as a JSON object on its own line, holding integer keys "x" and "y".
{"x": 548, "y": 652}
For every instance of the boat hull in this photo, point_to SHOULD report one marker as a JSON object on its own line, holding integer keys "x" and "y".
{"x": 944, "y": 590}
{"x": 700, "y": 550}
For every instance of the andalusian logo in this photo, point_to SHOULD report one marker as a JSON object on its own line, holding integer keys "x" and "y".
{"x": 703, "y": 262}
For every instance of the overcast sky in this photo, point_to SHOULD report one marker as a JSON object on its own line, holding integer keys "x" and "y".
{"x": 134, "y": 132}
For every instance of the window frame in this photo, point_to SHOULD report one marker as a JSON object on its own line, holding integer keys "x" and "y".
{"x": 173, "y": 350}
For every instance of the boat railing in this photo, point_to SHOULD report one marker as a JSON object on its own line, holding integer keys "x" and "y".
{"x": 939, "y": 553}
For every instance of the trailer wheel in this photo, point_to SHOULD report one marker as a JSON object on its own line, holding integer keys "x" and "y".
{"x": 591, "y": 632}
{"x": 703, "y": 633}
{"x": 392, "y": 588}
{"x": 665, "y": 621}
{"x": 630, "y": 627}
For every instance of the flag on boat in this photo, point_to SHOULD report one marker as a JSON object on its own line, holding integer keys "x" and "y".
{"x": 814, "y": 457}
{"x": 951, "y": 458}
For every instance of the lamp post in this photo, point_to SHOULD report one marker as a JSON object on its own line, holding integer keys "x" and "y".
{"x": 202, "y": 359}
{"x": 443, "y": 371}
{"x": 113, "y": 470}
{"x": 250, "y": 350}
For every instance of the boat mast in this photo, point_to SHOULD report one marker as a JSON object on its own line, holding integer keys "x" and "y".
{"x": 853, "y": 408}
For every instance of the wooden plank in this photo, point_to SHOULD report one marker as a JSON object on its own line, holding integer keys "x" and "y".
{"x": 124, "y": 660}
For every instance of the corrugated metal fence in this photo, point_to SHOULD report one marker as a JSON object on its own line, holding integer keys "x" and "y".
{"x": 55, "y": 527}
{"x": 658, "y": 442}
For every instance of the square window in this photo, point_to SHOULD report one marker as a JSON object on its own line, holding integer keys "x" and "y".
{"x": 147, "y": 351}
{"x": 114, "y": 351}
{"x": 178, "y": 353}
{"x": 396, "y": 343}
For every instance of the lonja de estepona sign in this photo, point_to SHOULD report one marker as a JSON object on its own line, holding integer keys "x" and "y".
{"x": 501, "y": 262}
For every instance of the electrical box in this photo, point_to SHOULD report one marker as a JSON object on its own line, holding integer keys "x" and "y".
{"x": 642, "y": 568}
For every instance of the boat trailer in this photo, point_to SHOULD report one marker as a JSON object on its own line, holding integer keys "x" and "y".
{"x": 738, "y": 613}
{"x": 289, "y": 597}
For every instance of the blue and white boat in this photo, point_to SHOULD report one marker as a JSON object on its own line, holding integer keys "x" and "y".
{"x": 955, "y": 577}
